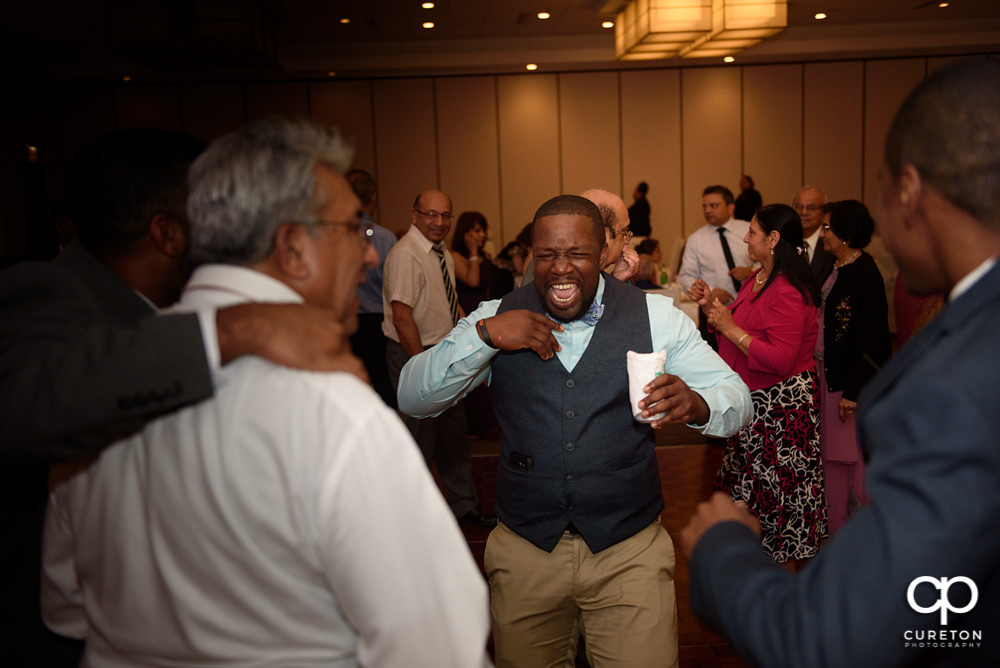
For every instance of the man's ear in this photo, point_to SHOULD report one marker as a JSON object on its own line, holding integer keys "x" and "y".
{"x": 167, "y": 236}
{"x": 910, "y": 192}
{"x": 292, "y": 251}
{"x": 604, "y": 255}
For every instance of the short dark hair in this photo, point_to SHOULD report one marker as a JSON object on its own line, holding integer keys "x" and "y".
{"x": 789, "y": 258}
{"x": 726, "y": 193}
{"x": 466, "y": 221}
{"x": 362, "y": 184}
{"x": 851, "y": 221}
{"x": 573, "y": 205}
{"x": 117, "y": 184}
{"x": 647, "y": 246}
{"x": 643, "y": 187}
{"x": 949, "y": 130}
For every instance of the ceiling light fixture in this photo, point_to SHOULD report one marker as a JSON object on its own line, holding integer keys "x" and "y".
{"x": 652, "y": 29}
{"x": 608, "y": 24}
{"x": 544, "y": 15}
{"x": 531, "y": 67}
{"x": 728, "y": 59}
{"x": 331, "y": 74}
{"x": 428, "y": 5}
{"x": 345, "y": 20}
{"x": 428, "y": 24}
{"x": 126, "y": 78}
{"x": 820, "y": 16}
{"x": 942, "y": 5}
{"x": 738, "y": 25}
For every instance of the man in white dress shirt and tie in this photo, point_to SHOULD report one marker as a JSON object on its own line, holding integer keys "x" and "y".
{"x": 716, "y": 252}
{"x": 810, "y": 203}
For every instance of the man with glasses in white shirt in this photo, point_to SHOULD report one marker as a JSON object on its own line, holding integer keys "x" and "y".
{"x": 421, "y": 307}
{"x": 810, "y": 203}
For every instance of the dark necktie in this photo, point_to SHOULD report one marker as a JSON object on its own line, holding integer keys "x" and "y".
{"x": 449, "y": 285}
{"x": 729, "y": 256}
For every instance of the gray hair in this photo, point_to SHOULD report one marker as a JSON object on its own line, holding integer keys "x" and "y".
{"x": 249, "y": 183}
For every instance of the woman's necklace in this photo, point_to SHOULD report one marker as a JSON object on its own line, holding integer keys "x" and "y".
{"x": 854, "y": 256}
{"x": 759, "y": 279}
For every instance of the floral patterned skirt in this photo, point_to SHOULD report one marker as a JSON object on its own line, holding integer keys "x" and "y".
{"x": 774, "y": 465}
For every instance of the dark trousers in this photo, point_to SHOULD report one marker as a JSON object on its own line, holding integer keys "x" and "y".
{"x": 444, "y": 441}
{"x": 368, "y": 343}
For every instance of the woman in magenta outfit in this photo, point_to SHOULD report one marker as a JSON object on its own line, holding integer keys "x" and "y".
{"x": 768, "y": 336}
{"x": 854, "y": 344}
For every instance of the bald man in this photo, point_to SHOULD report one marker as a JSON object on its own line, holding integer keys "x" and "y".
{"x": 810, "y": 203}
{"x": 421, "y": 306}
{"x": 622, "y": 261}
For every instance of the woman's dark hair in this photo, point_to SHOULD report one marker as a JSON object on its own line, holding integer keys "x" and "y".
{"x": 466, "y": 221}
{"x": 850, "y": 221}
{"x": 789, "y": 255}
{"x": 647, "y": 246}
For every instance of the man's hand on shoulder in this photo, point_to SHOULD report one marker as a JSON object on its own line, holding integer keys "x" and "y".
{"x": 299, "y": 336}
{"x": 719, "y": 508}
{"x": 522, "y": 329}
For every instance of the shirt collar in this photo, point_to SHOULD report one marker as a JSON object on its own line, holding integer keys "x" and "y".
{"x": 232, "y": 284}
{"x": 419, "y": 239}
{"x": 971, "y": 279}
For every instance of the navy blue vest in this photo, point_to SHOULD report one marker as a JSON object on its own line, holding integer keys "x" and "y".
{"x": 591, "y": 463}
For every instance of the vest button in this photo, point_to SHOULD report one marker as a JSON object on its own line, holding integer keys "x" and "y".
{"x": 570, "y": 446}
{"x": 570, "y": 383}
{"x": 569, "y": 478}
{"x": 570, "y": 414}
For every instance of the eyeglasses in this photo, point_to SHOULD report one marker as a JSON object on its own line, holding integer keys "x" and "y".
{"x": 799, "y": 208}
{"x": 627, "y": 233}
{"x": 363, "y": 228}
{"x": 445, "y": 216}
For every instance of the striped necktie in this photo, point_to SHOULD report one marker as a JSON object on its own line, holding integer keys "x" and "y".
{"x": 449, "y": 285}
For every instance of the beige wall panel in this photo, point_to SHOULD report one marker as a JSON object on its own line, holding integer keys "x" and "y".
{"x": 935, "y": 64}
{"x": 651, "y": 147}
{"x": 887, "y": 83}
{"x": 834, "y": 129}
{"x": 590, "y": 132}
{"x": 210, "y": 111}
{"x": 710, "y": 110}
{"x": 772, "y": 131}
{"x": 529, "y": 145}
{"x": 148, "y": 107}
{"x": 405, "y": 146}
{"x": 289, "y": 99}
{"x": 469, "y": 150}
{"x": 347, "y": 105}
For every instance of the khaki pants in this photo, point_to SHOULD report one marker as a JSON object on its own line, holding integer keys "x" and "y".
{"x": 621, "y": 599}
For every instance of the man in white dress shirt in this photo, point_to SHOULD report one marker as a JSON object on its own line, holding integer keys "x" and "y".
{"x": 716, "y": 252}
{"x": 289, "y": 520}
{"x": 810, "y": 203}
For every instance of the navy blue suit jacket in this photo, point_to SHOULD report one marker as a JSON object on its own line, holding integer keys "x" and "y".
{"x": 931, "y": 422}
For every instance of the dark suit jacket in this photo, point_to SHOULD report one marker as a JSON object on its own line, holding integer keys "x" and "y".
{"x": 81, "y": 363}
{"x": 822, "y": 262}
{"x": 856, "y": 340}
{"x": 931, "y": 423}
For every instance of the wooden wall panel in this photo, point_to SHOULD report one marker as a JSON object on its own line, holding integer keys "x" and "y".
{"x": 590, "y": 135}
{"x": 148, "y": 107}
{"x": 406, "y": 146}
{"x": 348, "y": 106}
{"x": 651, "y": 147}
{"x": 772, "y": 131}
{"x": 834, "y": 129}
{"x": 209, "y": 111}
{"x": 469, "y": 151}
{"x": 529, "y": 145}
{"x": 887, "y": 83}
{"x": 289, "y": 99}
{"x": 711, "y": 108}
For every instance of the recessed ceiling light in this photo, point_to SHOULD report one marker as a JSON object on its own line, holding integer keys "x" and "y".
{"x": 126, "y": 78}
{"x": 531, "y": 67}
{"x": 428, "y": 24}
{"x": 345, "y": 20}
{"x": 428, "y": 5}
{"x": 728, "y": 59}
{"x": 820, "y": 16}
{"x": 331, "y": 74}
{"x": 543, "y": 15}
{"x": 942, "y": 5}
{"x": 608, "y": 24}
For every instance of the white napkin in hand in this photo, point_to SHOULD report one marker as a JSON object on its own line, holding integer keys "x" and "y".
{"x": 642, "y": 368}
